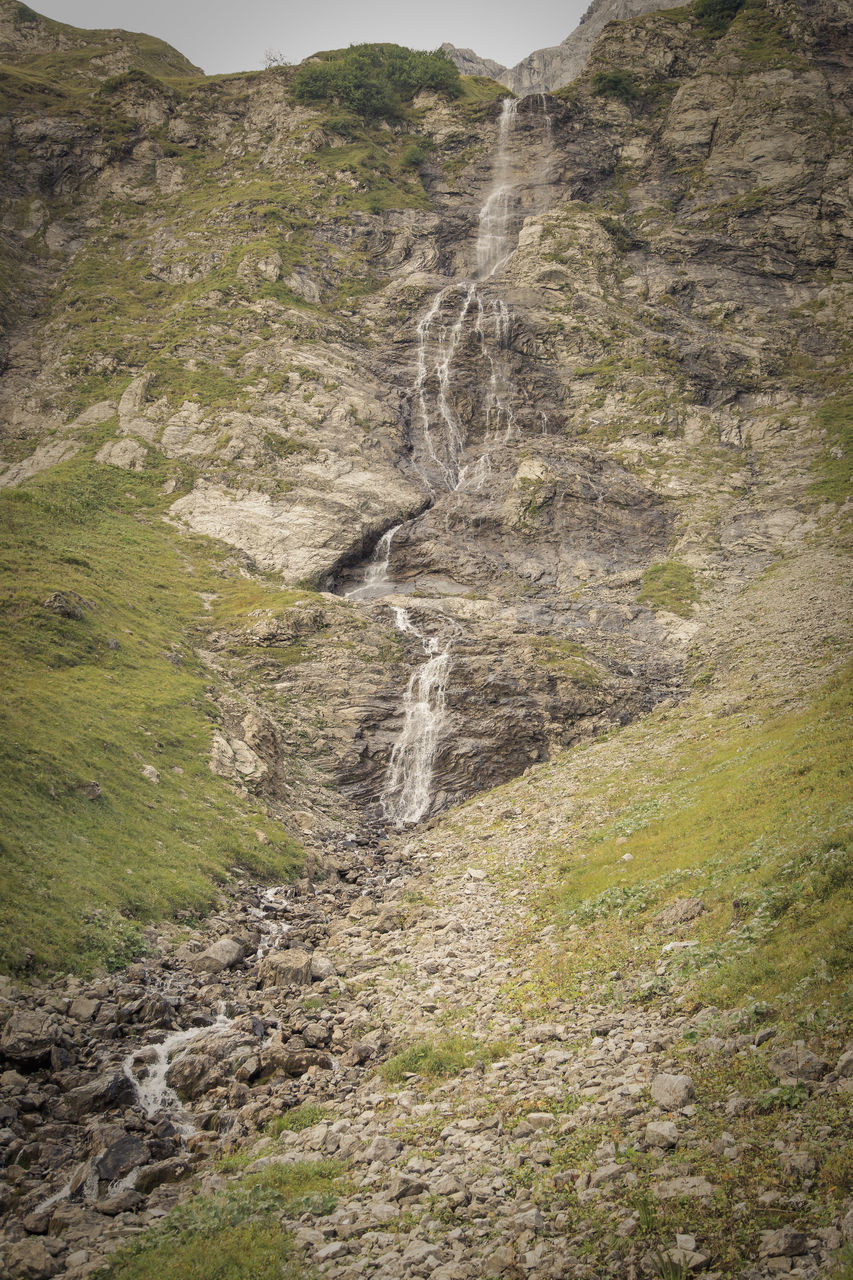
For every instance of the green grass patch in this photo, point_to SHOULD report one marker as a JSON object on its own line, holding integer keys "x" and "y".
{"x": 96, "y": 698}
{"x": 764, "y": 39}
{"x": 566, "y": 658}
{"x": 477, "y": 89}
{"x": 236, "y": 1234}
{"x": 437, "y": 1059}
{"x": 759, "y": 826}
{"x": 715, "y": 16}
{"x": 297, "y": 1119}
{"x": 669, "y": 585}
{"x": 835, "y": 418}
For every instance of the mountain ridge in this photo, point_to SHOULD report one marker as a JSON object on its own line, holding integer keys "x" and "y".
{"x": 552, "y": 67}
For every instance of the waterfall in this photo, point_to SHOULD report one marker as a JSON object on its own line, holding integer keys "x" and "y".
{"x": 437, "y": 342}
{"x": 494, "y": 241}
{"x": 376, "y": 570}
{"x": 407, "y": 792}
{"x": 463, "y": 318}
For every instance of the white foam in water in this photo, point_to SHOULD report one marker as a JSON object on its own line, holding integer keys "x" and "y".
{"x": 407, "y": 792}
{"x": 153, "y": 1094}
{"x": 376, "y": 571}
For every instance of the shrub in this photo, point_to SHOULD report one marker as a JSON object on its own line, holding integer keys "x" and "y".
{"x": 615, "y": 84}
{"x": 415, "y": 156}
{"x": 716, "y": 15}
{"x": 375, "y": 80}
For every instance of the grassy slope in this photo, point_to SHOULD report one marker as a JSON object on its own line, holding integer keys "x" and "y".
{"x": 236, "y": 1233}
{"x": 755, "y": 819}
{"x": 99, "y": 698}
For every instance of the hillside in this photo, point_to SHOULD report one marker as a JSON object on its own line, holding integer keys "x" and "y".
{"x": 425, "y": 522}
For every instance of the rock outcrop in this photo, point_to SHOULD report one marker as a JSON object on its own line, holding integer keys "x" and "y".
{"x": 551, "y": 68}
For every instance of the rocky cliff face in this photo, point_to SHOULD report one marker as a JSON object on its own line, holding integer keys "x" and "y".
{"x": 548, "y": 69}
{"x": 545, "y": 70}
{"x": 277, "y": 312}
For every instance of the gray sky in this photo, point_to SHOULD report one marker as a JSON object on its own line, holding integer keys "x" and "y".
{"x": 224, "y": 35}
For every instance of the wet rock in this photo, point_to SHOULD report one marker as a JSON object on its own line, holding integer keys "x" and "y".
{"x": 127, "y": 1153}
{"x": 154, "y": 1175}
{"x": 672, "y": 1092}
{"x": 113, "y": 1089}
{"x": 125, "y": 1201}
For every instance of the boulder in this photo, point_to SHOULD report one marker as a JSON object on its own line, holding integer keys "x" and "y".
{"x": 322, "y": 967}
{"x": 113, "y": 1089}
{"x": 845, "y": 1064}
{"x": 193, "y": 1074}
{"x": 224, "y": 954}
{"x": 661, "y": 1133}
{"x": 362, "y": 907}
{"x": 783, "y": 1243}
{"x": 672, "y": 1092}
{"x": 382, "y": 1149}
{"x": 126, "y": 1153}
{"x": 29, "y": 1035}
{"x": 700, "y": 1188}
{"x": 84, "y": 1009}
{"x": 290, "y": 968}
{"x": 797, "y": 1062}
{"x": 30, "y": 1260}
{"x": 67, "y": 604}
{"x": 681, "y": 911}
{"x": 388, "y": 920}
{"x": 154, "y": 1175}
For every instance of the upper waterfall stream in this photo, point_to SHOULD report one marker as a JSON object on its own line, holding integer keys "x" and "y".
{"x": 466, "y": 317}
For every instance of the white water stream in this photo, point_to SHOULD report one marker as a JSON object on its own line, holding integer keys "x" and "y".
{"x": 494, "y": 243}
{"x": 407, "y": 792}
{"x": 376, "y": 571}
{"x": 459, "y": 314}
{"x": 153, "y": 1093}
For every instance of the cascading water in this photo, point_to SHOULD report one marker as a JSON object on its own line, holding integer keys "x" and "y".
{"x": 459, "y": 317}
{"x": 407, "y": 793}
{"x": 376, "y": 571}
{"x": 152, "y": 1092}
{"x": 494, "y": 242}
